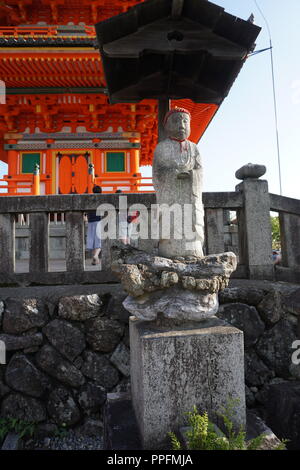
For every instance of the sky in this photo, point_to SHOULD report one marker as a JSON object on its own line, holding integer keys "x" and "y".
{"x": 243, "y": 130}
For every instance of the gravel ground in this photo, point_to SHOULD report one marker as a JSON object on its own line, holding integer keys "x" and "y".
{"x": 69, "y": 442}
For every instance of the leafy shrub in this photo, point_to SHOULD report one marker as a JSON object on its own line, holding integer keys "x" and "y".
{"x": 23, "y": 428}
{"x": 204, "y": 435}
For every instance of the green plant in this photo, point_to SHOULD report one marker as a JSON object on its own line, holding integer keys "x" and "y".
{"x": 204, "y": 435}
{"x": 61, "y": 431}
{"x": 23, "y": 428}
{"x": 276, "y": 237}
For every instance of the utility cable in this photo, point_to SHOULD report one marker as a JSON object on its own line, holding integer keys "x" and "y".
{"x": 274, "y": 93}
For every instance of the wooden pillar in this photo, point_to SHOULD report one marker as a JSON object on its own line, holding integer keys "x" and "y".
{"x": 91, "y": 178}
{"x": 49, "y": 168}
{"x": 12, "y": 160}
{"x": 39, "y": 242}
{"x": 36, "y": 181}
{"x": 97, "y": 158}
{"x": 134, "y": 158}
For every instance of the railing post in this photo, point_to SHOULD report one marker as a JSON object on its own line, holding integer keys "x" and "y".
{"x": 91, "y": 178}
{"x": 290, "y": 239}
{"x": 38, "y": 242}
{"x": 74, "y": 241}
{"x": 255, "y": 233}
{"x": 105, "y": 254}
{"x": 7, "y": 243}
{"x": 214, "y": 231}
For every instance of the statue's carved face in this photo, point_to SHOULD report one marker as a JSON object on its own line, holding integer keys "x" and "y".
{"x": 178, "y": 126}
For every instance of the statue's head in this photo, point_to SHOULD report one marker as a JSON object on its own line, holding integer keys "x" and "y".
{"x": 177, "y": 123}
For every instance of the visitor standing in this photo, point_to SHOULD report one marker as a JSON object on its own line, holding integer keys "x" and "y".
{"x": 93, "y": 241}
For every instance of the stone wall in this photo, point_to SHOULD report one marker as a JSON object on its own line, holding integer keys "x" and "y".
{"x": 267, "y": 314}
{"x": 63, "y": 356}
{"x": 66, "y": 352}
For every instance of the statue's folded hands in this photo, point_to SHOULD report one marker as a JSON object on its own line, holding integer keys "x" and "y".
{"x": 184, "y": 175}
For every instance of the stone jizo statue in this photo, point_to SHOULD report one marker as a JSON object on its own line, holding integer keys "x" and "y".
{"x": 177, "y": 179}
{"x": 179, "y": 284}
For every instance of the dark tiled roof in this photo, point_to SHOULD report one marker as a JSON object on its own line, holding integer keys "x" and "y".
{"x": 148, "y": 53}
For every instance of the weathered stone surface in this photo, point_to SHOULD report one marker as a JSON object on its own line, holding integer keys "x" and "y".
{"x": 62, "y": 407}
{"x": 103, "y": 334}
{"x": 120, "y": 430}
{"x": 125, "y": 338}
{"x": 292, "y": 302}
{"x": 168, "y": 279}
{"x": 115, "y": 309}
{"x": 175, "y": 303}
{"x": 251, "y": 170}
{"x": 78, "y": 362}
{"x": 262, "y": 395}
{"x": 178, "y": 179}
{"x": 24, "y": 408}
{"x": 80, "y": 307}
{"x": 243, "y": 295}
{"x": 45, "y": 430}
{"x": 4, "y": 390}
{"x": 23, "y": 314}
{"x": 91, "y": 428}
{"x": 255, "y": 229}
{"x": 65, "y": 337}
{"x": 134, "y": 282}
{"x": 12, "y": 441}
{"x": 31, "y": 350}
{"x": 91, "y": 396}
{"x": 256, "y": 427}
{"x": 56, "y": 366}
{"x": 271, "y": 307}
{"x": 124, "y": 386}
{"x": 22, "y": 376}
{"x": 13, "y": 343}
{"x": 1, "y": 311}
{"x": 173, "y": 369}
{"x": 250, "y": 398}
{"x": 295, "y": 371}
{"x": 184, "y": 289}
{"x": 142, "y": 272}
{"x": 256, "y": 372}
{"x": 99, "y": 369}
{"x": 283, "y": 412}
{"x": 245, "y": 318}
{"x": 275, "y": 347}
{"x": 121, "y": 359}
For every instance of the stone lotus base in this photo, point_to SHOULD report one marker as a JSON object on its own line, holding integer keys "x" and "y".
{"x": 183, "y": 289}
{"x": 174, "y": 303}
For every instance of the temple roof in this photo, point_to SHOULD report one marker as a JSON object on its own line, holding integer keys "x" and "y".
{"x": 194, "y": 53}
{"x": 63, "y": 12}
{"x": 54, "y": 75}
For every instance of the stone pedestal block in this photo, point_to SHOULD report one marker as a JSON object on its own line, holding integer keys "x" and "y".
{"x": 174, "y": 368}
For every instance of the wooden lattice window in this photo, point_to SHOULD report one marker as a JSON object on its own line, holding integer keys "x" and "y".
{"x": 115, "y": 162}
{"x": 29, "y": 160}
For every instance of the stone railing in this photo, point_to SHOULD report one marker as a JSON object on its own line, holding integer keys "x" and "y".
{"x": 251, "y": 201}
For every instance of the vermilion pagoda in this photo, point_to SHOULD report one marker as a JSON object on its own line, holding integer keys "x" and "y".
{"x": 57, "y": 113}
